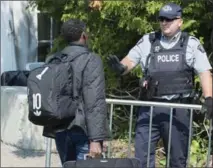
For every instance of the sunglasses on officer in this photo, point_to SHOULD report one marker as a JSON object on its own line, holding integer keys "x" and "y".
{"x": 162, "y": 19}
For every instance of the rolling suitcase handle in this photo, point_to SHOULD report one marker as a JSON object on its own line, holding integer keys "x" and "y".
{"x": 102, "y": 155}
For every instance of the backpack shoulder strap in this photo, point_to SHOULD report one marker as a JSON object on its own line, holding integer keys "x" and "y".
{"x": 55, "y": 56}
{"x": 76, "y": 93}
{"x": 68, "y": 56}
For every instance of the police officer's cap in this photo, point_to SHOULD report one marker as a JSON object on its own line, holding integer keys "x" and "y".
{"x": 170, "y": 11}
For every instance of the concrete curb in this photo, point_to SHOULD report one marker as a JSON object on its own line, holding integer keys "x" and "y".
{"x": 16, "y": 129}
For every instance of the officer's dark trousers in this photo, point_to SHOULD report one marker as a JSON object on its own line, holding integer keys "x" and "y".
{"x": 160, "y": 129}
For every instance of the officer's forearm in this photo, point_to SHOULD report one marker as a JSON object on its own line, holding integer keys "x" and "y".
{"x": 128, "y": 63}
{"x": 206, "y": 82}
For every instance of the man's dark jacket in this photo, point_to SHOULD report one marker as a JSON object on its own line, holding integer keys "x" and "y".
{"x": 92, "y": 113}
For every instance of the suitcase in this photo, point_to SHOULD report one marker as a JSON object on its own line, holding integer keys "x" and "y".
{"x": 104, "y": 163}
{"x": 14, "y": 78}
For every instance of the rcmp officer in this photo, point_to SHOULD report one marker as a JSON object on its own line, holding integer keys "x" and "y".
{"x": 169, "y": 59}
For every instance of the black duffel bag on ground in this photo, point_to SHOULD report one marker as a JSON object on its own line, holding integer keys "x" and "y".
{"x": 14, "y": 78}
{"x": 104, "y": 163}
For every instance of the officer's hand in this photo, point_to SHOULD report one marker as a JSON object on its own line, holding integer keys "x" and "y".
{"x": 115, "y": 64}
{"x": 207, "y": 107}
{"x": 95, "y": 149}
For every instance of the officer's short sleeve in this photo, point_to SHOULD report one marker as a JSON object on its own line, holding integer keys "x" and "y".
{"x": 140, "y": 51}
{"x": 201, "y": 62}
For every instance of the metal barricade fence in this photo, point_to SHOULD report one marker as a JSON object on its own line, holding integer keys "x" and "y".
{"x": 133, "y": 103}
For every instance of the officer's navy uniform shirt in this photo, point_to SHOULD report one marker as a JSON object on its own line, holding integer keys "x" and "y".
{"x": 196, "y": 56}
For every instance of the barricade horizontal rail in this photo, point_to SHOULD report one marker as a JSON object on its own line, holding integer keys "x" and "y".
{"x": 132, "y": 103}
{"x": 151, "y": 103}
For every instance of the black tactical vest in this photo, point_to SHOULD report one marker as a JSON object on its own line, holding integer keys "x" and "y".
{"x": 167, "y": 69}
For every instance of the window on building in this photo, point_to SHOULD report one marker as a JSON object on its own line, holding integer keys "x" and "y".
{"x": 44, "y": 34}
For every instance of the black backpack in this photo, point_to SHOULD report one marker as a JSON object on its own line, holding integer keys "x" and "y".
{"x": 52, "y": 95}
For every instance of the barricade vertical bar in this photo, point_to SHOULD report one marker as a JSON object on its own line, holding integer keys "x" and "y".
{"x": 150, "y": 134}
{"x": 190, "y": 137}
{"x": 51, "y": 32}
{"x": 209, "y": 144}
{"x": 48, "y": 152}
{"x": 110, "y": 128}
{"x": 130, "y": 131}
{"x": 170, "y": 137}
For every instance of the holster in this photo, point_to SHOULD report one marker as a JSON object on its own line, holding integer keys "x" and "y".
{"x": 144, "y": 93}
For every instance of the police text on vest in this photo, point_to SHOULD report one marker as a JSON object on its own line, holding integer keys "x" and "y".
{"x": 168, "y": 58}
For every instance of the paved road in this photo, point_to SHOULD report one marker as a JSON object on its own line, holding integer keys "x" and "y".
{"x": 14, "y": 157}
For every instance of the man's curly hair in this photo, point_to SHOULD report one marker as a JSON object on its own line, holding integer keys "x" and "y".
{"x": 72, "y": 29}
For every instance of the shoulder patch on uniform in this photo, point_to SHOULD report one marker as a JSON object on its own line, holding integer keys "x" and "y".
{"x": 140, "y": 41}
{"x": 193, "y": 38}
{"x": 200, "y": 47}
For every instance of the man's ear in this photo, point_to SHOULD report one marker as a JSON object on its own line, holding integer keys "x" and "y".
{"x": 84, "y": 36}
{"x": 181, "y": 22}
